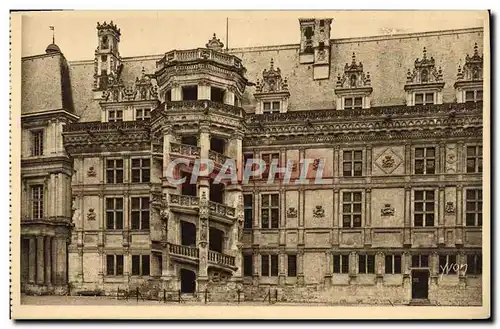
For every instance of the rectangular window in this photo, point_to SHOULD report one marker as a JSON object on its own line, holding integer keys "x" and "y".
{"x": 114, "y": 171}
{"x": 141, "y": 170}
{"x": 351, "y": 209}
{"x": 421, "y": 260}
{"x": 36, "y": 142}
{"x": 248, "y": 210}
{"x": 425, "y": 160}
{"x": 424, "y": 208}
{"x": 142, "y": 114}
{"x": 189, "y": 93}
{"x": 37, "y": 201}
{"x": 474, "y": 264}
{"x": 270, "y": 107}
{"x": 424, "y": 98}
{"x": 269, "y": 265}
{"x": 140, "y": 213}
{"x": 353, "y": 163}
{"x": 448, "y": 264}
{"x": 268, "y": 159}
{"x": 270, "y": 210}
{"x": 115, "y": 115}
{"x": 366, "y": 264}
{"x": 474, "y": 207}
{"x": 140, "y": 265}
{"x": 114, "y": 213}
{"x": 341, "y": 264}
{"x": 472, "y": 96}
{"x": 393, "y": 264}
{"x": 353, "y": 103}
{"x": 114, "y": 265}
{"x": 247, "y": 265}
{"x": 292, "y": 265}
{"x": 474, "y": 159}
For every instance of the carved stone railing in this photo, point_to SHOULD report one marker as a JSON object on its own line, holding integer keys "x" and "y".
{"x": 217, "y": 157}
{"x": 381, "y": 112}
{"x": 184, "y": 149}
{"x": 186, "y": 251}
{"x": 202, "y": 106}
{"x": 221, "y": 210}
{"x": 184, "y": 200}
{"x": 199, "y": 54}
{"x": 220, "y": 259}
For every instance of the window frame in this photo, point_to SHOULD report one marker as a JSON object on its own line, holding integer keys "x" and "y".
{"x": 419, "y": 257}
{"x": 369, "y": 264}
{"x": 354, "y": 105}
{"x": 115, "y": 117}
{"x": 247, "y": 257}
{"x": 143, "y": 270}
{"x": 116, "y": 270}
{"x": 393, "y": 268}
{"x": 38, "y": 203}
{"x": 474, "y": 264}
{"x": 343, "y": 261}
{"x": 477, "y": 157}
{"x": 478, "y": 207}
{"x": 424, "y": 98}
{"x": 115, "y": 170}
{"x": 291, "y": 265}
{"x": 248, "y": 211}
{"x": 425, "y": 160}
{"x": 37, "y": 140}
{"x": 424, "y": 212}
{"x": 141, "y": 170}
{"x": 353, "y": 161}
{"x": 449, "y": 270}
{"x": 270, "y": 207}
{"x": 270, "y": 270}
{"x": 141, "y": 212}
{"x": 271, "y": 156}
{"x": 145, "y": 113}
{"x": 352, "y": 202}
{"x": 475, "y": 97}
{"x": 114, "y": 211}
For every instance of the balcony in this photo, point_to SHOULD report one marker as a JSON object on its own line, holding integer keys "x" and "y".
{"x": 190, "y": 204}
{"x": 221, "y": 260}
{"x": 199, "y": 54}
{"x": 185, "y": 150}
{"x": 217, "y": 158}
{"x": 222, "y": 211}
{"x": 191, "y": 255}
{"x": 200, "y": 106}
{"x": 184, "y": 203}
{"x": 184, "y": 253}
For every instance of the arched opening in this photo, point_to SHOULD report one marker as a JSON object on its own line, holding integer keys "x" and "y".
{"x": 217, "y": 144}
{"x": 188, "y": 281}
{"x": 188, "y": 234}
{"x": 187, "y": 187}
{"x": 216, "y": 239}
{"x": 217, "y": 95}
{"x": 216, "y": 192}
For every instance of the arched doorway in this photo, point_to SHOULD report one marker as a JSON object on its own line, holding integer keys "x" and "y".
{"x": 188, "y": 281}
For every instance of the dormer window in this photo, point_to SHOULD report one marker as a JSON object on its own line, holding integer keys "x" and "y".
{"x": 424, "y": 85}
{"x": 353, "y": 87}
{"x": 469, "y": 84}
{"x": 115, "y": 115}
{"x": 321, "y": 23}
{"x": 272, "y": 92}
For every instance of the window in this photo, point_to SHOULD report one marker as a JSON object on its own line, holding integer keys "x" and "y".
{"x": 248, "y": 210}
{"x": 308, "y": 33}
{"x": 292, "y": 265}
{"x": 217, "y": 95}
{"x": 353, "y": 163}
{"x": 474, "y": 264}
{"x": 366, "y": 264}
{"x": 247, "y": 265}
{"x": 114, "y": 264}
{"x": 424, "y": 208}
{"x": 424, "y": 98}
{"x": 270, "y": 107}
{"x": 270, "y": 212}
{"x": 115, "y": 115}
{"x": 351, "y": 103}
{"x": 190, "y": 93}
{"x": 341, "y": 264}
{"x": 140, "y": 213}
{"x": 114, "y": 213}
{"x": 321, "y": 22}
{"x": 142, "y": 114}
{"x": 473, "y": 96}
{"x": 140, "y": 170}
{"x": 351, "y": 209}
{"x": 268, "y": 159}
{"x": 393, "y": 264}
{"x": 474, "y": 159}
{"x": 474, "y": 207}
{"x": 114, "y": 171}
{"x": 37, "y": 143}
{"x": 37, "y": 201}
{"x": 421, "y": 260}
{"x": 269, "y": 265}
{"x": 447, "y": 264}
{"x": 140, "y": 265}
{"x": 425, "y": 160}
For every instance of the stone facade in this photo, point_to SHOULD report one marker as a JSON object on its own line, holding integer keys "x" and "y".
{"x": 396, "y": 139}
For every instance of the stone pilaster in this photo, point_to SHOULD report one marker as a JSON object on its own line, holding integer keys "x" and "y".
{"x": 300, "y": 267}
{"x": 459, "y": 219}
{"x": 47, "y": 260}
{"x": 32, "y": 260}
{"x": 368, "y": 215}
{"x": 40, "y": 254}
{"x": 407, "y": 218}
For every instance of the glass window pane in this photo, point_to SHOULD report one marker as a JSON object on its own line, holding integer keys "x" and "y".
{"x": 357, "y": 221}
{"x": 419, "y": 195}
{"x": 346, "y": 196}
{"x": 429, "y": 98}
{"x": 429, "y": 206}
{"x": 358, "y": 155}
{"x": 419, "y": 206}
{"x": 424, "y": 260}
{"x": 430, "y": 152}
{"x": 346, "y": 208}
{"x": 348, "y": 102}
{"x": 429, "y": 195}
{"x": 357, "y": 196}
{"x": 429, "y": 220}
{"x": 419, "y": 152}
{"x": 419, "y": 98}
{"x": 346, "y": 221}
{"x": 357, "y": 207}
{"x": 397, "y": 264}
{"x": 419, "y": 220}
{"x": 265, "y": 200}
{"x": 347, "y": 155}
{"x": 358, "y": 101}
{"x": 275, "y": 200}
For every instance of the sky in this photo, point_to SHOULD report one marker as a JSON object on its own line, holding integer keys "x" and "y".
{"x": 156, "y": 32}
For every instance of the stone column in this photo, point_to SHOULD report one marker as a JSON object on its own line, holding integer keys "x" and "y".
{"x": 61, "y": 271}
{"x": 204, "y": 90}
{"x": 176, "y": 92}
{"x": 368, "y": 215}
{"x": 329, "y": 267}
{"x": 368, "y": 168}
{"x": 53, "y": 249}
{"x": 40, "y": 264}
{"x": 48, "y": 260}
{"x": 300, "y": 266}
{"x": 256, "y": 265}
{"x": 434, "y": 267}
{"x": 282, "y": 260}
{"x": 32, "y": 260}
{"x": 229, "y": 96}
{"x": 461, "y": 157}
{"x": 336, "y": 216}
{"x": 407, "y": 161}
{"x": 459, "y": 219}
{"x": 440, "y": 209}
{"x": 442, "y": 158}
{"x": 336, "y": 164}
{"x": 52, "y": 196}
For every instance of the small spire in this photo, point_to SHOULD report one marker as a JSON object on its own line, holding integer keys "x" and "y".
{"x": 53, "y": 34}
{"x": 425, "y": 53}
{"x": 272, "y": 64}
{"x": 353, "y": 58}
{"x": 475, "y": 50}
